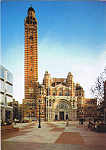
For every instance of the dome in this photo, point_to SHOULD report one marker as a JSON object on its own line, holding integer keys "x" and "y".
{"x": 70, "y": 74}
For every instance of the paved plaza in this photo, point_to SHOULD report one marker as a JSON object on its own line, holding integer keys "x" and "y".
{"x": 54, "y": 136}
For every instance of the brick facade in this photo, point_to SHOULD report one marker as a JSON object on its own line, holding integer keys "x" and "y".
{"x": 30, "y": 64}
{"x": 60, "y": 98}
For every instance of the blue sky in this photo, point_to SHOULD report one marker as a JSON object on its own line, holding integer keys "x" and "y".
{"x": 71, "y": 38}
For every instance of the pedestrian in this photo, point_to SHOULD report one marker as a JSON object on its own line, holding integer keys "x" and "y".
{"x": 15, "y": 121}
{"x": 79, "y": 121}
{"x": 67, "y": 122}
{"x": 89, "y": 123}
{"x": 97, "y": 124}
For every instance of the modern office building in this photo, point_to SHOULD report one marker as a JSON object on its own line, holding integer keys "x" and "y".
{"x": 6, "y": 94}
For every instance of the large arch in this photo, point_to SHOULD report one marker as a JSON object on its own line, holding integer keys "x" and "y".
{"x": 62, "y": 110}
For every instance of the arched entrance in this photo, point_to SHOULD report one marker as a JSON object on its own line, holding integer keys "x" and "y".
{"x": 56, "y": 117}
{"x": 62, "y": 110}
{"x": 61, "y": 115}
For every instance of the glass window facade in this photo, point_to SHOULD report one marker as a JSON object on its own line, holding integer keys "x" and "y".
{"x": 9, "y": 99}
{"x": 9, "y": 77}
{"x": 9, "y": 89}
{"x": 2, "y": 86}
{"x": 6, "y": 85}
{"x": 2, "y": 70}
{"x": 5, "y": 74}
{"x": 2, "y": 102}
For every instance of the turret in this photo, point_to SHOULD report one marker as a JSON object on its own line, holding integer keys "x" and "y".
{"x": 31, "y": 18}
{"x": 47, "y": 80}
{"x": 69, "y": 79}
{"x": 70, "y": 83}
{"x": 79, "y": 90}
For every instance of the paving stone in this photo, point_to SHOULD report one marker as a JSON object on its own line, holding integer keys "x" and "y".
{"x": 70, "y": 138}
{"x": 44, "y": 138}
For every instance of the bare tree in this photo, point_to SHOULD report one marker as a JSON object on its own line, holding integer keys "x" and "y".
{"x": 98, "y": 89}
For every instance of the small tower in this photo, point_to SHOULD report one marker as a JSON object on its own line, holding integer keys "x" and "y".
{"x": 79, "y": 90}
{"x": 69, "y": 79}
{"x": 47, "y": 80}
{"x": 70, "y": 83}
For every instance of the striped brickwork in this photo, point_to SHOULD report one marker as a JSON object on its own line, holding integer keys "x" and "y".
{"x": 30, "y": 63}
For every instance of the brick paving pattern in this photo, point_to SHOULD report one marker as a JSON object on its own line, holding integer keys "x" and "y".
{"x": 57, "y": 129}
{"x": 54, "y": 136}
{"x": 70, "y": 138}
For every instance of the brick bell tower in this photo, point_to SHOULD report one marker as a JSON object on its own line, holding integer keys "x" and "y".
{"x": 30, "y": 65}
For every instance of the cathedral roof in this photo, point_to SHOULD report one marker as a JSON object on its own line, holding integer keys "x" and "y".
{"x": 60, "y": 85}
{"x": 58, "y": 79}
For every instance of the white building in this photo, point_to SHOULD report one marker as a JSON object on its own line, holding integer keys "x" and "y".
{"x": 6, "y": 94}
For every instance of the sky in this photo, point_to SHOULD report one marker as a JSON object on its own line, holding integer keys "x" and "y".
{"x": 71, "y": 38}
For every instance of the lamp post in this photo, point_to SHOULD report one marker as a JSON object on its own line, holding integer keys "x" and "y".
{"x": 39, "y": 126}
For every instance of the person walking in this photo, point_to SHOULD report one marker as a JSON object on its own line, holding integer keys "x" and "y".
{"x": 15, "y": 121}
{"x": 67, "y": 123}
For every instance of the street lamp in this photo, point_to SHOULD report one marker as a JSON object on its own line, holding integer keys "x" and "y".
{"x": 39, "y": 126}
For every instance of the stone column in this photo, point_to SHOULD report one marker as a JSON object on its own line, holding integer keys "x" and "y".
{"x": 58, "y": 117}
{"x": 75, "y": 115}
{"x": 64, "y": 115}
{"x": 3, "y": 114}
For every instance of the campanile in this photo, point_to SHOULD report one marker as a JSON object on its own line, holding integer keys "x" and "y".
{"x": 30, "y": 65}
{"x": 31, "y": 54}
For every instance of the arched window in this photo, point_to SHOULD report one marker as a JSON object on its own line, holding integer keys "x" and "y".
{"x": 50, "y": 103}
{"x": 31, "y": 37}
{"x": 47, "y": 102}
{"x": 60, "y": 93}
{"x": 62, "y": 106}
{"x": 54, "y": 93}
{"x": 67, "y": 94}
{"x": 48, "y": 91}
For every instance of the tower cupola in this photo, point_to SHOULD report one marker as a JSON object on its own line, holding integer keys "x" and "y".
{"x": 31, "y": 12}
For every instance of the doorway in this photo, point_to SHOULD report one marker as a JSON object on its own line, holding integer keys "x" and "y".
{"x": 7, "y": 115}
{"x": 66, "y": 116}
{"x": 61, "y": 115}
{"x": 56, "y": 117}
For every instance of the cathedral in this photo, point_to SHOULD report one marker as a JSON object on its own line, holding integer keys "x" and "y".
{"x": 54, "y": 99}
{"x": 62, "y": 97}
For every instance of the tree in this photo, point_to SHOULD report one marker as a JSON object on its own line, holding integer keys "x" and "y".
{"x": 98, "y": 89}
